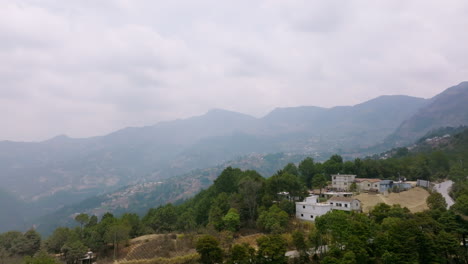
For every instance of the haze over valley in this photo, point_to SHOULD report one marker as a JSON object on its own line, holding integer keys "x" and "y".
{"x": 182, "y": 132}
{"x": 62, "y": 171}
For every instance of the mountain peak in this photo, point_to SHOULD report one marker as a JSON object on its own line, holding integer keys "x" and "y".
{"x": 58, "y": 138}
{"x": 220, "y": 113}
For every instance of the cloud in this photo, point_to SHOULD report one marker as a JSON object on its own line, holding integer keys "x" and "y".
{"x": 87, "y": 68}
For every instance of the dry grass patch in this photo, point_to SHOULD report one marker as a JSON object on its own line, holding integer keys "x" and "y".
{"x": 159, "y": 248}
{"x": 250, "y": 239}
{"x": 187, "y": 259}
{"x": 414, "y": 199}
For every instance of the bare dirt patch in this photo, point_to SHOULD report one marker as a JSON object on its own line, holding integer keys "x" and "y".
{"x": 250, "y": 239}
{"x": 414, "y": 199}
{"x": 159, "y": 248}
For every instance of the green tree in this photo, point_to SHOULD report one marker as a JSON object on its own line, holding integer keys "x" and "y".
{"x": 291, "y": 169}
{"x": 319, "y": 181}
{"x": 162, "y": 219}
{"x": 215, "y": 217}
{"x": 271, "y": 249}
{"x": 93, "y": 221}
{"x": 336, "y": 224}
{"x": 27, "y": 244}
{"x": 187, "y": 222}
{"x": 228, "y": 180}
{"x": 208, "y": 248}
{"x": 117, "y": 234}
{"x": 307, "y": 171}
{"x": 285, "y": 182}
{"x": 133, "y": 221}
{"x": 399, "y": 242}
{"x": 435, "y": 201}
{"x": 249, "y": 189}
{"x": 330, "y": 260}
{"x": 7, "y": 240}
{"x": 461, "y": 204}
{"x": 231, "y": 221}
{"x": 348, "y": 167}
{"x": 348, "y": 258}
{"x": 83, "y": 219}
{"x": 241, "y": 254}
{"x": 301, "y": 246}
{"x": 73, "y": 251}
{"x": 382, "y": 211}
{"x": 274, "y": 220}
{"x": 333, "y": 165}
{"x": 58, "y": 238}
{"x": 40, "y": 258}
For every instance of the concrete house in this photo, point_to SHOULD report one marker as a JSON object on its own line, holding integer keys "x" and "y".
{"x": 311, "y": 208}
{"x": 345, "y": 204}
{"x": 342, "y": 182}
{"x": 365, "y": 185}
{"x": 385, "y": 185}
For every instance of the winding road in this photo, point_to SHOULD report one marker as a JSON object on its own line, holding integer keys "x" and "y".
{"x": 444, "y": 188}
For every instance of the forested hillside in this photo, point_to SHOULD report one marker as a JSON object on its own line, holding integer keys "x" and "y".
{"x": 447, "y": 109}
{"x": 243, "y": 202}
{"x": 141, "y": 197}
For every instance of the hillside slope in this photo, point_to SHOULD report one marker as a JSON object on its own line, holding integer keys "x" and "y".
{"x": 139, "y": 198}
{"x": 448, "y": 109}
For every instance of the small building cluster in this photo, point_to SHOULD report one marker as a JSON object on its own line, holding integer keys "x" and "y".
{"x": 344, "y": 182}
{"x": 340, "y": 197}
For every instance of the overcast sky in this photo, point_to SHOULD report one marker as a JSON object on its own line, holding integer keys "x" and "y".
{"x": 89, "y": 67}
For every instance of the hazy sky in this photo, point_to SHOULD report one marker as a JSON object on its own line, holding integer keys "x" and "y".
{"x": 88, "y": 67}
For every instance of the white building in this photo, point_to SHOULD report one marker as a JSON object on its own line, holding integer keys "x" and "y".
{"x": 345, "y": 204}
{"x": 342, "y": 182}
{"x": 311, "y": 208}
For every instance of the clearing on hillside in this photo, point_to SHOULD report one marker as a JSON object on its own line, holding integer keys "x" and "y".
{"x": 160, "y": 249}
{"x": 414, "y": 199}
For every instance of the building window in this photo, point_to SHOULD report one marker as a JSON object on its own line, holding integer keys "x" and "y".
{"x": 311, "y": 216}
{"x": 368, "y": 185}
{"x": 303, "y": 207}
{"x": 302, "y": 215}
{"x": 345, "y": 183}
{"x": 346, "y": 205}
{"x": 334, "y": 182}
{"x": 334, "y": 177}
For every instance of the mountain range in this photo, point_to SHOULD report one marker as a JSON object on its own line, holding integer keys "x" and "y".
{"x": 63, "y": 171}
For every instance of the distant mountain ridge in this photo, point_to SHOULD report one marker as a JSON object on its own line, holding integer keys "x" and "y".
{"x": 63, "y": 170}
{"x": 447, "y": 109}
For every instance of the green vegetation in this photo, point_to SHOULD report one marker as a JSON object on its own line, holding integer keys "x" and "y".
{"x": 244, "y": 201}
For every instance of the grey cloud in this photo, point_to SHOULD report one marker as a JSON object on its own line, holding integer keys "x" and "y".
{"x": 89, "y": 67}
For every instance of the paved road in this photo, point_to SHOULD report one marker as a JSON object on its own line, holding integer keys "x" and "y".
{"x": 444, "y": 188}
